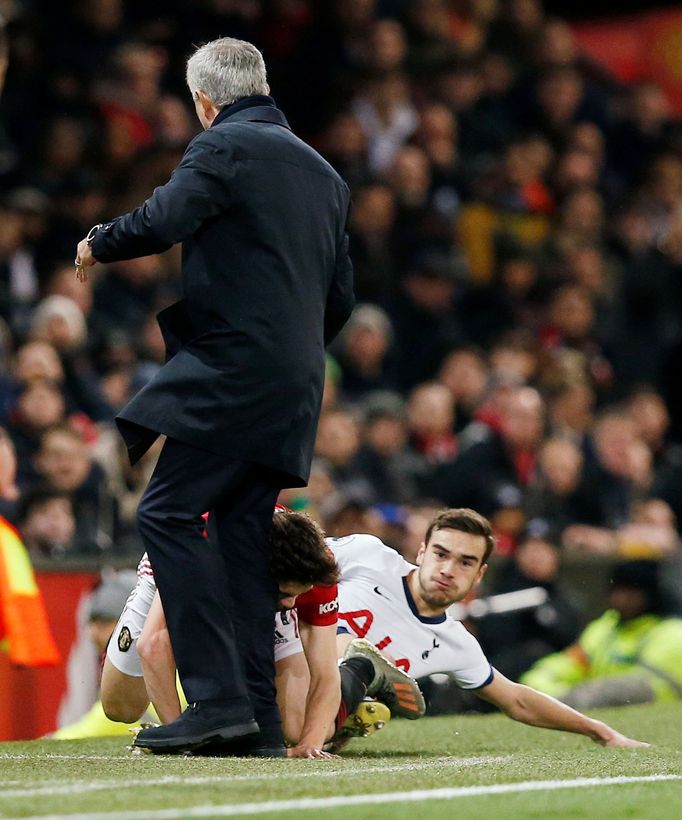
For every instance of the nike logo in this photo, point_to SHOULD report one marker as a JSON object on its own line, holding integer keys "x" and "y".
{"x": 379, "y": 592}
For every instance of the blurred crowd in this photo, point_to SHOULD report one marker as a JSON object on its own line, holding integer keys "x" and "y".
{"x": 516, "y": 233}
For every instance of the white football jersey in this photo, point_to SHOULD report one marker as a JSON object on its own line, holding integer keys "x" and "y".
{"x": 375, "y": 603}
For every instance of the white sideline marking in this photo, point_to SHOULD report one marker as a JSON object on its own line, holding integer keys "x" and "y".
{"x": 49, "y": 756}
{"x": 233, "y": 810}
{"x": 79, "y": 787}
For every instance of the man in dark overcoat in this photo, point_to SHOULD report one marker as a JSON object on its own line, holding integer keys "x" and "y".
{"x": 267, "y": 284}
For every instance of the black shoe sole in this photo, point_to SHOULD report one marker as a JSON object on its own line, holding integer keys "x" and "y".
{"x": 234, "y": 750}
{"x": 182, "y": 744}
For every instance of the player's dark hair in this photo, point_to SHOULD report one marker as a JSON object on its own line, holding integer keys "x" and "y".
{"x": 298, "y": 552}
{"x": 464, "y": 520}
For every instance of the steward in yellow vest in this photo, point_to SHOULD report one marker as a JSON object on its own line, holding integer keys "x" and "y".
{"x": 631, "y": 654}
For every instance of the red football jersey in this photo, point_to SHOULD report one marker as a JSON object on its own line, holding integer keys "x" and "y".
{"x": 319, "y": 606}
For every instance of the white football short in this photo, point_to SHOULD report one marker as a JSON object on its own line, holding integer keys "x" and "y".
{"x": 287, "y": 639}
{"x": 122, "y": 646}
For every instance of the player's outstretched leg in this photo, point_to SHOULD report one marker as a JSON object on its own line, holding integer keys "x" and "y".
{"x": 390, "y": 685}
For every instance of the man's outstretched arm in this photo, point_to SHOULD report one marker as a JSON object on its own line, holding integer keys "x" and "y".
{"x": 198, "y": 190}
{"x": 529, "y": 706}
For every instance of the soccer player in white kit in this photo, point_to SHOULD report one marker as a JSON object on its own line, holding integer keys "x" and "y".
{"x": 376, "y": 603}
{"x": 401, "y": 609}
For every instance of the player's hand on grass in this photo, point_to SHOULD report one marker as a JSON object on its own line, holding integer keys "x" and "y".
{"x": 621, "y": 742}
{"x": 310, "y": 753}
{"x": 615, "y": 740}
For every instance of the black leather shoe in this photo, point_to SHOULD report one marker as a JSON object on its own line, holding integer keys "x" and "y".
{"x": 266, "y": 743}
{"x": 201, "y": 724}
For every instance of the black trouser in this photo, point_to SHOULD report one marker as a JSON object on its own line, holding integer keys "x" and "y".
{"x": 219, "y": 601}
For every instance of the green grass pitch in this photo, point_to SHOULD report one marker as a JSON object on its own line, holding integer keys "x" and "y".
{"x": 477, "y": 759}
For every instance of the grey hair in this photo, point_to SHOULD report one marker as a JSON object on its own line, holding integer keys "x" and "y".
{"x": 227, "y": 70}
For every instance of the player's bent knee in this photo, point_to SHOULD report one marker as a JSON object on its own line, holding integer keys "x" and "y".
{"x": 122, "y": 710}
{"x": 156, "y": 646}
{"x": 124, "y": 697}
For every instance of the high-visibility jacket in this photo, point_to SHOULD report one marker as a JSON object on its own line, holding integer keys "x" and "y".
{"x": 24, "y": 630}
{"x": 649, "y": 646}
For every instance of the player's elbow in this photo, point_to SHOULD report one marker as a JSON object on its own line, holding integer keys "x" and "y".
{"x": 515, "y": 705}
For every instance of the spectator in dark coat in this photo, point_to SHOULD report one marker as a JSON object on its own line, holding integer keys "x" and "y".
{"x": 385, "y": 459}
{"x": 363, "y": 352}
{"x": 507, "y": 457}
{"x": 66, "y": 466}
{"x": 559, "y": 492}
{"x": 424, "y": 318}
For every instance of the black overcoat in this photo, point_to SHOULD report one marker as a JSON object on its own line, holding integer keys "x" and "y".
{"x": 267, "y": 283}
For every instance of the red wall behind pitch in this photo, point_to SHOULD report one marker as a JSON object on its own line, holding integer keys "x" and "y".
{"x": 30, "y": 698}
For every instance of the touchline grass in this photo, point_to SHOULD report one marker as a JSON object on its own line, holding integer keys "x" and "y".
{"x": 474, "y": 766}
